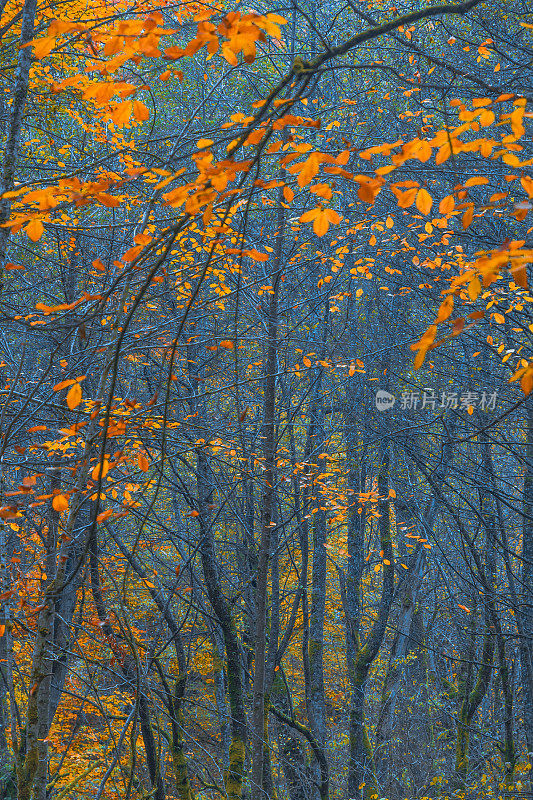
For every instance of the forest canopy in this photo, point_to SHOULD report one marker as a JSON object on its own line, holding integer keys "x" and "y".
{"x": 266, "y": 416}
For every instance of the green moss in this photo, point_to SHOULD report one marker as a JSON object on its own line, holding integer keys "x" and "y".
{"x": 233, "y": 776}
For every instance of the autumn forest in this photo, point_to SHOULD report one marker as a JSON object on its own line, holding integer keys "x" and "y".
{"x": 266, "y": 407}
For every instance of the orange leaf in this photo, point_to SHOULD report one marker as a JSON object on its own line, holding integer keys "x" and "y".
{"x": 309, "y": 169}
{"x": 255, "y": 255}
{"x": 519, "y": 273}
{"x": 140, "y": 111}
{"x": 474, "y": 288}
{"x": 43, "y": 46}
{"x": 143, "y": 463}
{"x": 60, "y": 503}
{"x": 95, "y": 474}
{"x": 424, "y": 201}
{"x": 74, "y": 397}
{"x": 468, "y": 216}
{"x": 288, "y": 194}
{"x": 406, "y": 199}
{"x": 526, "y": 381}
{"x": 63, "y": 385}
{"x": 321, "y": 218}
{"x": 445, "y": 310}
{"x": 447, "y": 204}
{"x": 366, "y": 193}
{"x": 527, "y": 185}
{"x": 35, "y": 229}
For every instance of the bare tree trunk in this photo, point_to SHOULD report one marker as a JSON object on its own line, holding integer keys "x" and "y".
{"x": 267, "y": 500}
{"x": 316, "y": 704}
{"x": 18, "y": 105}
{"x": 525, "y": 614}
{"x": 220, "y": 605}
{"x": 361, "y": 767}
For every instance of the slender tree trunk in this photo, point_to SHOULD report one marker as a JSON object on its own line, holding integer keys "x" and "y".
{"x": 269, "y": 448}
{"x": 234, "y": 776}
{"x": 316, "y": 704}
{"x": 361, "y": 767}
{"x": 525, "y": 614}
{"x": 18, "y": 106}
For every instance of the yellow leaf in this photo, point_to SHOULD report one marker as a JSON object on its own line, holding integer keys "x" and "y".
{"x": 389, "y": 222}
{"x": 74, "y": 396}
